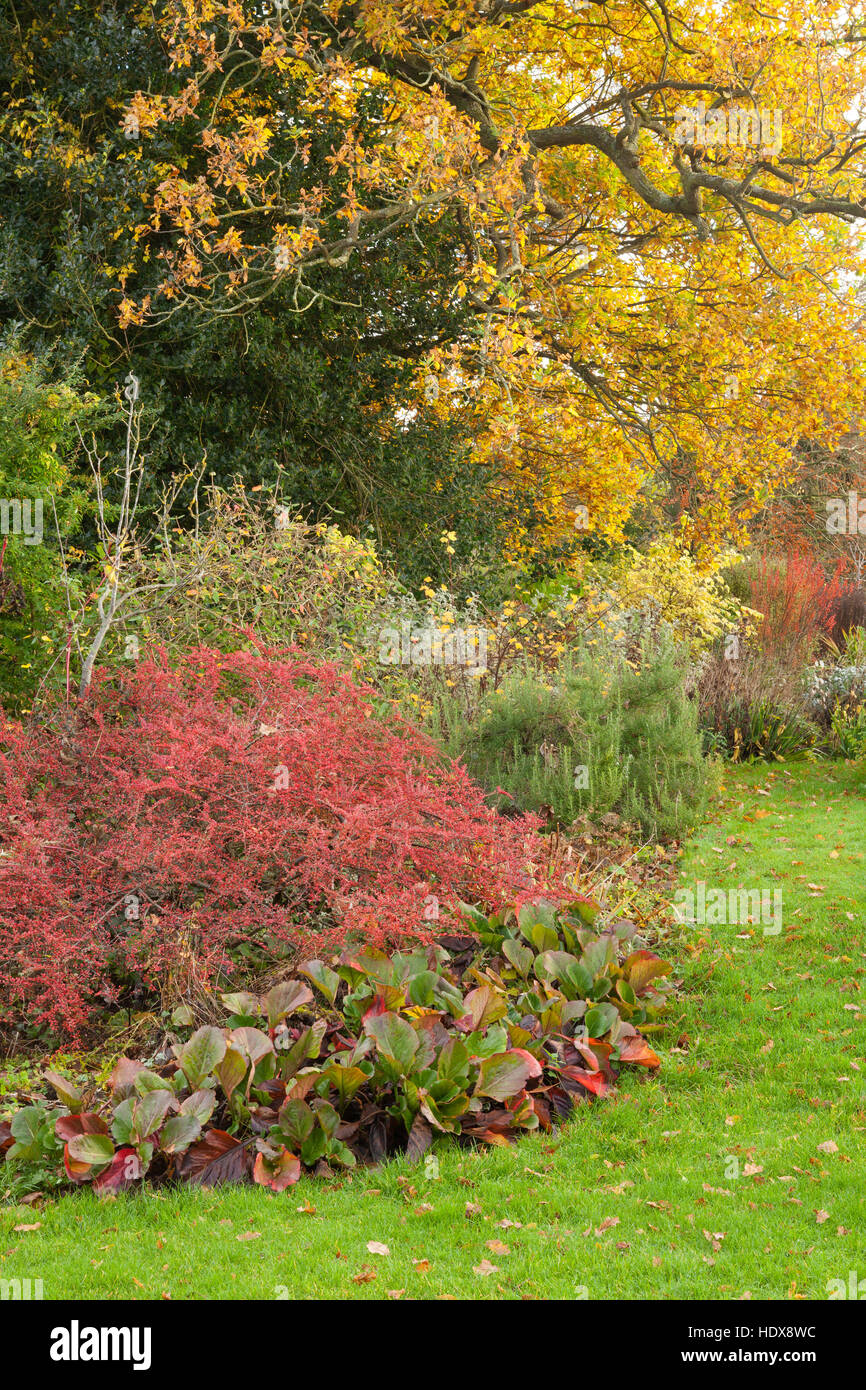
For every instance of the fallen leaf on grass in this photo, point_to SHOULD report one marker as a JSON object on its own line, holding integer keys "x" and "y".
{"x": 821, "y": 1217}
{"x": 485, "y": 1268}
{"x": 829, "y": 1146}
{"x": 33, "y": 1227}
{"x": 496, "y": 1247}
{"x": 606, "y": 1225}
{"x": 248, "y": 1235}
{"x": 365, "y": 1275}
{"x": 375, "y": 1247}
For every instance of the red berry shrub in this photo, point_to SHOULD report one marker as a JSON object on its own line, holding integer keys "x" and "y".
{"x": 231, "y": 798}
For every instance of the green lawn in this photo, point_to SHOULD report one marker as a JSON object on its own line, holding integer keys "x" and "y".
{"x": 706, "y": 1181}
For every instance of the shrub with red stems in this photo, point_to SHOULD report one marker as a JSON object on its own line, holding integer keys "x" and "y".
{"x": 799, "y": 601}
{"x": 251, "y": 798}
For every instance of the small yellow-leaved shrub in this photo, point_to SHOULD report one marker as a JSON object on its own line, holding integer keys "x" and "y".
{"x": 691, "y": 598}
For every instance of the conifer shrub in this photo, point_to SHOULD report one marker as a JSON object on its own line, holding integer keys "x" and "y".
{"x": 602, "y": 734}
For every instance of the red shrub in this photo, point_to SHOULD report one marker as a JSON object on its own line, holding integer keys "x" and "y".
{"x": 166, "y": 785}
{"x": 799, "y": 603}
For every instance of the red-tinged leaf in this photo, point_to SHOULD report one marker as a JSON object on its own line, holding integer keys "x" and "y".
{"x": 420, "y": 1138}
{"x": 285, "y": 999}
{"x": 542, "y": 1110}
{"x": 68, "y": 1126}
{"x": 68, "y": 1094}
{"x": 484, "y": 1006}
{"x": 122, "y": 1079}
{"x": 535, "y": 1067}
{"x": 124, "y": 1170}
{"x": 251, "y": 1043}
{"x": 302, "y": 1085}
{"x": 502, "y": 1075}
{"x": 217, "y": 1158}
{"x": 588, "y": 1054}
{"x": 75, "y": 1171}
{"x": 7, "y": 1138}
{"x": 590, "y": 1080}
{"x": 278, "y": 1173}
{"x": 274, "y": 1089}
{"x": 85, "y": 1155}
{"x": 642, "y": 967}
{"x": 377, "y": 1007}
{"x": 638, "y": 1051}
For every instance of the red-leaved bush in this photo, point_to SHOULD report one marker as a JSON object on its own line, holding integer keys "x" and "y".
{"x": 798, "y": 601}
{"x": 240, "y": 797}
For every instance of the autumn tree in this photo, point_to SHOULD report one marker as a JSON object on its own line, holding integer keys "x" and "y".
{"x": 654, "y": 211}
{"x": 327, "y": 399}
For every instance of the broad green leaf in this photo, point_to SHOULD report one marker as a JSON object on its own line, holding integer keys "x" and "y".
{"x": 598, "y": 955}
{"x": 178, "y": 1133}
{"x": 25, "y": 1127}
{"x": 395, "y": 1039}
{"x": 599, "y": 1019}
{"x": 231, "y": 1070}
{"x": 503, "y": 1075}
{"x": 200, "y": 1104}
{"x": 121, "y": 1123}
{"x": 422, "y": 987}
{"x": 345, "y": 1081}
{"x": 146, "y": 1080}
{"x": 201, "y": 1055}
{"x": 520, "y": 957}
{"x": 149, "y": 1112}
{"x": 328, "y": 981}
{"x": 453, "y": 1063}
{"x": 244, "y": 1004}
{"x": 93, "y": 1149}
{"x": 297, "y": 1122}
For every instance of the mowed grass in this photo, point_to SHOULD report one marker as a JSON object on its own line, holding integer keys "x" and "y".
{"x": 707, "y": 1180}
